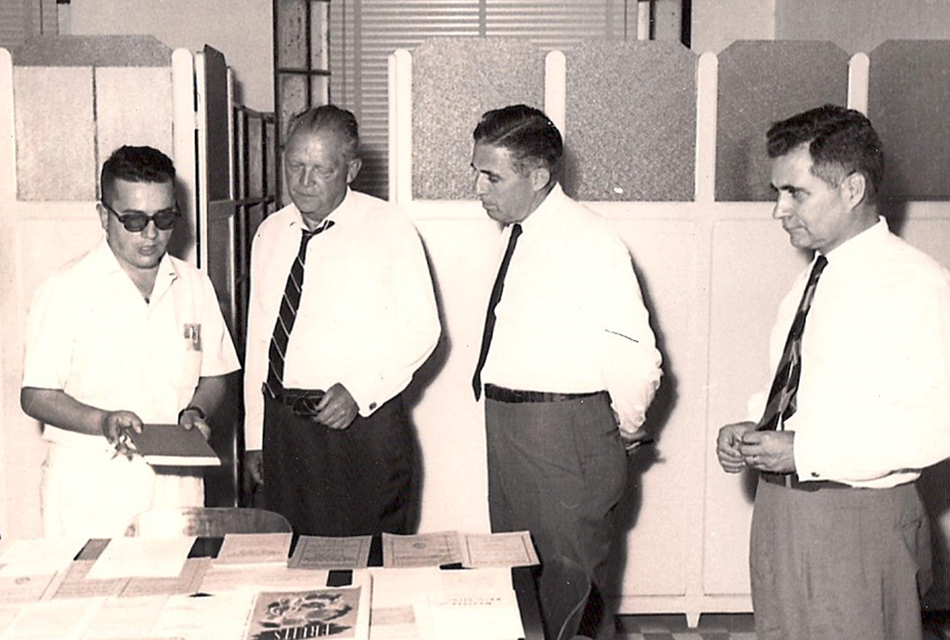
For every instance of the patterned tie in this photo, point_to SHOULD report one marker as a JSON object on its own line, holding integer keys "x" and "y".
{"x": 782, "y": 404}
{"x": 492, "y": 303}
{"x": 288, "y": 314}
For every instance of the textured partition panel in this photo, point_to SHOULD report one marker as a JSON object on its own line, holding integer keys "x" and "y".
{"x": 761, "y": 82}
{"x": 454, "y": 81}
{"x": 631, "y": 121}
{"x": 93, "y": 51}
{"x": 908, "y": 102}
{"x": 133, "y": 106}
{"x": 55, "y": 133}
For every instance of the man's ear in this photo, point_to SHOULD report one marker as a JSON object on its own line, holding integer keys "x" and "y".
{"x": 540, "y": 177}
{"x": 103, "y": 216}
{"x": 353, "y": 169}
{"x": 855, "y": 188}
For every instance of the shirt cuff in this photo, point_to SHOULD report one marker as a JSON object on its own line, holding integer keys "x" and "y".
{"x": 806, "y": 465}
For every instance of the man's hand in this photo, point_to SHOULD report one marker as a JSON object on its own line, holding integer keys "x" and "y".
{"x": 633, "y": 441}
{"x": 337, "y": 409}
{"x": 191, "y": 420}
{"x": 769, "y": 450}
{"x": 729, "y": 446}
{"x": 253, "y": 469}
{"x": 114, "y": 425}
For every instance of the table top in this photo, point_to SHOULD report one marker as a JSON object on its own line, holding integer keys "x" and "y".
{"x": 73, "y": 583}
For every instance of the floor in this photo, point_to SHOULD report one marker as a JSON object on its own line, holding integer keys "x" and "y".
{"x": 732, "y": 627}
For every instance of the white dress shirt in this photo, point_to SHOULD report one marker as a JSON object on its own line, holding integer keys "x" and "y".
{"x": 571, "y": 317}
{"x": 873, "y": 404}
{"x": 367, "y": 317}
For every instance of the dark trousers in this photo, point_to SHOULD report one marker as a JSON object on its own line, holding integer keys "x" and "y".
{"x": 556, "y": 469}
{"x": 354, "y": 481}
{"x": 838, "y": 564}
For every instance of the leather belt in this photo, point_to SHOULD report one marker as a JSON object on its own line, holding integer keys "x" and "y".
{"x": 501, "y": 394}
{"x": 303, "y": 401}
{"x": 791, "y": 481}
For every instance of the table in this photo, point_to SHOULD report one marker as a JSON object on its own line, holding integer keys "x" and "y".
{"x": 157, "y": 593}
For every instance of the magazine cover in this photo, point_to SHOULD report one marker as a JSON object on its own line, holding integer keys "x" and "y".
{"x": 333, "y": 612}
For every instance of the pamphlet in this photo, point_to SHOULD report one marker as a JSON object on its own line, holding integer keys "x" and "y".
{"x": 336, "y": 612}
{"x": 169, "y": 444}
{"x": 319, "y": 552}
{"x": 469, "y": 550}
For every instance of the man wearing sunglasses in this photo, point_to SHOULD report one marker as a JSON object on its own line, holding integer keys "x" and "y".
{"x": 123, "y": 336}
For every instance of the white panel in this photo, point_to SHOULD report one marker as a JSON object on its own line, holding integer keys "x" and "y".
{"x": 133, "y": 106}
{"x": 44, "y": 236}
{"x": 7, "y": 128}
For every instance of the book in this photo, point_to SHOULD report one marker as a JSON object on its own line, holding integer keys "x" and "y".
{"x": 169, "y": 444}
{"x": 339, "y": 612}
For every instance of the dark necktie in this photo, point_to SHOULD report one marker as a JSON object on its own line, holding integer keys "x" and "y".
{"x": 287, "y": 314}
{"x": 781, "y": 405}
{"x": 492, "y": 303}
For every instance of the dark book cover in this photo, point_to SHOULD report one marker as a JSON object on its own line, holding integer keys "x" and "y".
{"x": 169, "y": 444}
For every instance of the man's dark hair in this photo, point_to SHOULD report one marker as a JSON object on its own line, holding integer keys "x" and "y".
{"x": 528, "y": 135}
{"x": 841, "y": 141}
{"x": 134, "y": 164}
{"x": 329, "y": 118}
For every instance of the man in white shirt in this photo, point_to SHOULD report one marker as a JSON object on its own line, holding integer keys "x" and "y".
{"x": 568, "y": 362}
{"x": 125, "y": 335}
{"x": 342, "y": 313}
{"x": 840, "y": 541}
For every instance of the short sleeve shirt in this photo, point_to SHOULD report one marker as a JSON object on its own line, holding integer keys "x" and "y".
{"x": 91, "y": 334}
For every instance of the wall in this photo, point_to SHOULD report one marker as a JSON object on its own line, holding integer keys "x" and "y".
{"x": 717, "y": 23}
{"x": 241, "y": 29}
{"x": 859, "y": 25}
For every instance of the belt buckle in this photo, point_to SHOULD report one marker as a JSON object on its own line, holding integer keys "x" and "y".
{"x": 304, "y": 402}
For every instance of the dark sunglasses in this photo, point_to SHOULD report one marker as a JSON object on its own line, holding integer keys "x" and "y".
{"x": 135, "y": 222}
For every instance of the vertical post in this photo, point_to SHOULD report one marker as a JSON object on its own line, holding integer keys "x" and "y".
{"x": 7, "y": 130}
{"x": 555, "y": 89}
{"x": 707, "y": 89}
{"x": 859, "y": 76}
{"x": 400, "y": 127}
{"x": 645, "y": 11}
{"x": 184, "y": 140}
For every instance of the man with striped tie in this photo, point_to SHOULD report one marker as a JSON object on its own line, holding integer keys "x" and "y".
{"x": 341, "y": 314}
{"x": 859, "y": 403}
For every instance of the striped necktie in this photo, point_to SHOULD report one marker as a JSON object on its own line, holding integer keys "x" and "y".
{"x": 287, "y": 314}
{"x": 782, "y": 396}
{"x": 490, "y": 314}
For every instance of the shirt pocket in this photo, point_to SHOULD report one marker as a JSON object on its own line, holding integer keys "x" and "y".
{"x": 190, "y": 353}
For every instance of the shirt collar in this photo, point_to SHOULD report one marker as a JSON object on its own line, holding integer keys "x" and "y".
{"x": 105, "y": 262}
{"x": 860, "y": 246}
{"x": 336, "y": 215}
{"x": 547, "y": 209}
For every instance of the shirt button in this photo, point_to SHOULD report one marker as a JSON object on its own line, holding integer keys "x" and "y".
{"x": 372, "y": 406}
{"x": 814, "y": 475}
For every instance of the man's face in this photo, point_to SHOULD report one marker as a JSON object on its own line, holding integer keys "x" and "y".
{"x": 318, "y": 172}
{"x": 138, "y": 250}
{"x": 815, "y": 214}
{"x": 506, "y": 195}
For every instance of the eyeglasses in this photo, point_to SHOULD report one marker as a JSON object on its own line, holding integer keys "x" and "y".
{"x": 135, "y": 222}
